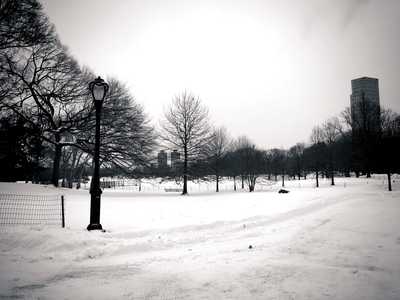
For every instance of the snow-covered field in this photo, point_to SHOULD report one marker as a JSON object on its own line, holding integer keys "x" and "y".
{"x": 340, "y": 242}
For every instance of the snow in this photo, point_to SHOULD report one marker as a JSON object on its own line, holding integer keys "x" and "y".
{"x": 340, "y": 242}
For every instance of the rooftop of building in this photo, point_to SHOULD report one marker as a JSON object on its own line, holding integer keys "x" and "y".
{"x": 365, "y": 78}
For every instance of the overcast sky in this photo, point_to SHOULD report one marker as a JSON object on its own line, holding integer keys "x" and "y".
{"x": 270, "y": 70}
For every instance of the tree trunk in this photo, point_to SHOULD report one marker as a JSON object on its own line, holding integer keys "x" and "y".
{"x": 217, "y": 188}
{"x": 316, "y": 177}
{"x": 389, "y": 181}
{"x": 185, "y": 171}
{"x": 251, "y": 188}
{"x": 72, "y": 168}
{"x": 234, "y": 183}
{"x": 283, "y": 180}
{"x": 56, "y": 162}
{"x": 242, "y": 182}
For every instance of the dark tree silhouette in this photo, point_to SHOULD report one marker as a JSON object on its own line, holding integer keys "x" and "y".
{"x": 217, "y": 150}
{"x": 49, "y": 92}
{"x": 23, "y": 24}
{"x": 389, "y": 144}
{"x": 250, "y": 160}
{"x": 316, "y": 153}
{"x": 295, "y": 156}
{"x": 331, "y": 131}
{"x": 127, "y": 138}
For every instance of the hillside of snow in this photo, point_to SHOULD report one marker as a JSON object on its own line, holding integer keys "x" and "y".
{"x": 340, "y": 242}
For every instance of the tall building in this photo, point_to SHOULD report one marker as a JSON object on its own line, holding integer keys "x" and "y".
{"x": 366, "y": 125}
{"x": 364, "y": 103}
{"x": 175, "y": 157}
{"x": 162, "y": 159}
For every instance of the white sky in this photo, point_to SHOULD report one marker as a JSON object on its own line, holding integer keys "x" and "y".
{"x": 268, "y": 69}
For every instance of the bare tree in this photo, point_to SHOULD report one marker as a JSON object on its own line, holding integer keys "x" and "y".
{"x": 295, "y": 154}
{"x": 23, "y": 24}
{"x": 278, "y": 159}
{"x": 331, "y": 131}
{"x": 186, "y": 127}
{"x": 250, "y": 161}
{"x": 253, "y": 165}
{"x": 49, "y": 92}
{"x": 242, "y": 142}
{"x": 316, "y": 153}
{"x": 216, "y": 151}
{"x": 127, "y": 138}
{"x": 389, "y": 144}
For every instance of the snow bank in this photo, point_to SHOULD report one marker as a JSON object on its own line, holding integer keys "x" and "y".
{"x": 338, "y": 242}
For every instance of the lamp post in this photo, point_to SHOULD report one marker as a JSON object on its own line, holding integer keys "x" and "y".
{"x": 98, "y": 88}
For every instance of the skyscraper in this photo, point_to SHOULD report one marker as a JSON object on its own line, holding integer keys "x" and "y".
{"x": 365, "y": 122}
{"x": 364, "y": 103}
{"x": 162, "y": 159}
{"x": 175, "y": 156}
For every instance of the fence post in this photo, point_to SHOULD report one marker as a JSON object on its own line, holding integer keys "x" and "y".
{"x": 62, "y": 212}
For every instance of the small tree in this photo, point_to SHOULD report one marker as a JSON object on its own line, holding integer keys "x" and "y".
{"x": 252, "y": 164}
{"x": 295, "y": 155}
{"x": 315, "y": 154}
{"x": 278, "y": 161}
{"x": 217, "y": 150}
{"x": 242, "y": 142}
{"x": 331, "y": 131}
{"x": 390, "y": 144}
{"x": 186, "y": 127}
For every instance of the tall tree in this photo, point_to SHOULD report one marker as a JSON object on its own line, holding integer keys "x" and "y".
{"x": 331, "y": 131}
{"x": 390, "y": 144}
{"x": 50, "y": 92}
{"x": 278, "y": 163}
{"x": 127, "y": 137}
{"x": 316, "y": 153}
{"x": 250, "y": 161}
{"x": 252, "y": 165}
{"x": 23, "y": 24}
{"x": 217, "y": 150}
{"x": 295, "y": 155}
{"x": 186, "y": 127}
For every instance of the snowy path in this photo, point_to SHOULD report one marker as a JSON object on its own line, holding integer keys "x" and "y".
{"x": 333, "y": 243}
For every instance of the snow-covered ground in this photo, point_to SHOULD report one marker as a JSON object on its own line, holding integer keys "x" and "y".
{"x": 340, "y": 242}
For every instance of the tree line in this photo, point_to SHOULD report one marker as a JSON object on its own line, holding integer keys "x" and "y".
{"x": 47, "y": 124}
{"x": 336, "y": 147}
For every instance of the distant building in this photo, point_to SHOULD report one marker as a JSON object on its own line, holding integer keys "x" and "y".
{"x": 175, "y": 157}
{"x": 366, "y": 125}
{"x": 365, "y": 104}
{"x": 162, "y": 159}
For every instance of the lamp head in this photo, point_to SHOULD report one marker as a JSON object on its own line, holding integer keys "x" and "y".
{"x": 98, "y": 88}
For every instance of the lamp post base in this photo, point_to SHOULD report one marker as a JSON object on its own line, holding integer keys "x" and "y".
{"x": 94, "y": 227}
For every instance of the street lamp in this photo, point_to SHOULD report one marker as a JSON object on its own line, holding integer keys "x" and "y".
{"x": 98, "y": 88}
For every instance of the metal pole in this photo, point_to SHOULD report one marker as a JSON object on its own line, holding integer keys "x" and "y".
{"x": 95, "y": 190}
{"x": 62, "y": 212}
